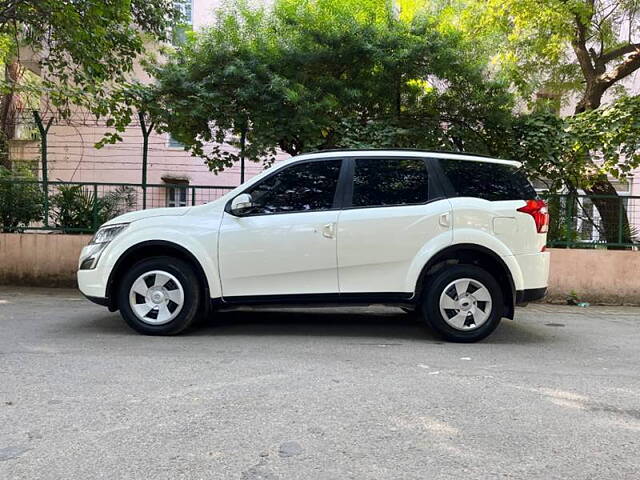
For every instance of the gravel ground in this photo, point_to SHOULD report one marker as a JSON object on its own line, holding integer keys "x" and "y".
{"x": 315, "y": 394}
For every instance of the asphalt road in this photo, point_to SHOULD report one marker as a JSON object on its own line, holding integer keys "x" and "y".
{"x": 317, "y": 394}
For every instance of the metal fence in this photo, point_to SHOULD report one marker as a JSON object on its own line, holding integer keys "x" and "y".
{"x": 594, "y": 221}
{"x": 577, "y": 221}
{"x": 81, "y": 207}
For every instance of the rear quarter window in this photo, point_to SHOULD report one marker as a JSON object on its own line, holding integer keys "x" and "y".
{"x": 487, "y": 180}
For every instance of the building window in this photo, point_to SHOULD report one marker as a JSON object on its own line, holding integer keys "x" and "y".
{"x": 185, "y": 7}
{"x": 176, "y": 196}
{"x": 173, "y": 143}
{"x": 184, "y": 23}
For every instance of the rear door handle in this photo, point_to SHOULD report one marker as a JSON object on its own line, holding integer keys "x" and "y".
{"x": 329, "y": 230}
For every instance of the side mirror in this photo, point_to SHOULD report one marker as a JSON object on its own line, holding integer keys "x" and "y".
{"x": 241, "y": 204}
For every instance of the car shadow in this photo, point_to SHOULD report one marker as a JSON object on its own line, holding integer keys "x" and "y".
{"x": 376, "y": 323}
{"x": 323, "y": 322}
{"x": 390, "y": 324}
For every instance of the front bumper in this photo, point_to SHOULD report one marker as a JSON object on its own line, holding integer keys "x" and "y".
{"x": 93, "y": 283}
{"x": 93, "y": 289}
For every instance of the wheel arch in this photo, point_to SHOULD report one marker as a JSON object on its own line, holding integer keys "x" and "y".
{"x": 148, "y": 249}
{"x": 471, "y": 254}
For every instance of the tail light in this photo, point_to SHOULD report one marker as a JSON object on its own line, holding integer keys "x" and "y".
{"x": 538, "y": 210}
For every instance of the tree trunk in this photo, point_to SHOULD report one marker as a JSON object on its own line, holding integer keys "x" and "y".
{"x": 613, "y": 214}
{"x": 8, "y": 109}
{"x": 592, "y": 97}
{"x": 598, "y": 79}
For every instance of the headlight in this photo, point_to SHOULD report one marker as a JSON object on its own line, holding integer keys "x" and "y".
{"x": 108, "y": 233}
{"x": 91, "y": 253}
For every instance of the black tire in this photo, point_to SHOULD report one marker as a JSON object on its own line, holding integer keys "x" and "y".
{"x": 192, "y": 295}
{"x": 434, "y": 316}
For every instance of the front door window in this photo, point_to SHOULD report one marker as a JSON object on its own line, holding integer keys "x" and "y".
{"x": 304, "y": 187}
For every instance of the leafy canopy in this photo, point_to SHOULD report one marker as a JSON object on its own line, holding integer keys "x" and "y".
{"x": 554, "y": 46}
{"x": 318, "y": 74}
{"x": 559, "y": 150}
{"x": 80, "y": 49}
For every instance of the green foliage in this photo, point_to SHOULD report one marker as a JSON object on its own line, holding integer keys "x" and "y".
{"x": 21, "y": 200}
{"x": 76, "y": 208}
{"x": 560, "y": 150}
{"x": 542, "y": 142}
{"x": 573, "y": 298}
{"x": 326, "y": 74}
{"x": 613, "y": 132}
{"x": 84, "y": 48}
{"x": 125, "y": 102}
{"x": 532, "y": 41}
{"x": 319, "y": 74}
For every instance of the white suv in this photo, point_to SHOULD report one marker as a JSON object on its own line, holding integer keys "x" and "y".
{"x": 458, "y": 238}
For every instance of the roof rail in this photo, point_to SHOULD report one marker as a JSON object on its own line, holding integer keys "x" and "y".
{"x": 448, "y": 152}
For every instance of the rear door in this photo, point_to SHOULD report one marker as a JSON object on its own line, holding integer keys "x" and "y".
{"x": 391, "y": 210}
{"x": 486, "y": 196}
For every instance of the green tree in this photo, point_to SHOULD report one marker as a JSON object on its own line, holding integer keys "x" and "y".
{"x": 322, "y": 74}
{"x": 80, "y": 50}
{"x": 557, "y": 150}
{"x": 582, "y": 47}
{"x": 557, "y": 50}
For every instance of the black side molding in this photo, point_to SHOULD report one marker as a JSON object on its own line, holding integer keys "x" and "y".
{"x": 529, "y": 295}
{"x": 320, "y": 299}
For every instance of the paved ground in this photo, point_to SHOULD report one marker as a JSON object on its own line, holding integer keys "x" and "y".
{"x": 331, "y": 394}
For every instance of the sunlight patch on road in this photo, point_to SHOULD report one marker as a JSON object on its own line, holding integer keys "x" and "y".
{"x": 436, "y": 426}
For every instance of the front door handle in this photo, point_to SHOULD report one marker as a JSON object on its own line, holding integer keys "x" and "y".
{"x": 329, "y": 230}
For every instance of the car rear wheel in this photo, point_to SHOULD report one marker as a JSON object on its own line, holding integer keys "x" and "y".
{"x": 159, "y": 296}
{"x": 463, "y": 303}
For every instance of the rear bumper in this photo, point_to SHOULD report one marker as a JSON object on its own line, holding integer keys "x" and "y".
{"x": 535, "y": 270}
{"x": 530, "y": 295}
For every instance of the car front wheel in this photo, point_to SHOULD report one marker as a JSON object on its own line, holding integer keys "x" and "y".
{"x": 159, "y": 296}
{"x": 463, "y": 303}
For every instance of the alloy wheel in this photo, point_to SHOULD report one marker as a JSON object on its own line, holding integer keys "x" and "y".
{"x": 465, "y": 304}
{"x": 156, "y": 297}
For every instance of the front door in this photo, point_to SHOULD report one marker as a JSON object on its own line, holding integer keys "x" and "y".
{"x": 285, "y": 244}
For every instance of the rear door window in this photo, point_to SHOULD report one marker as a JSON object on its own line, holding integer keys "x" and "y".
{"x": 379, "y": 182}
{"x": 487, "y": 180}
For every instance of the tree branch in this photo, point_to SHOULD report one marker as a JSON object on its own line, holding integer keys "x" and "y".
{"x": 618, "y": 52}
{"x": 623, "y": 69}
{"x": 579, "y": 44}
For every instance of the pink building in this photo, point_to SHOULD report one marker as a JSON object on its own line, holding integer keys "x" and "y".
{"x": 72, "y": 156}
